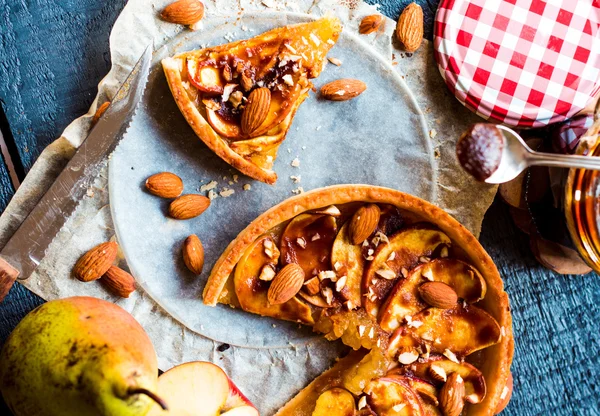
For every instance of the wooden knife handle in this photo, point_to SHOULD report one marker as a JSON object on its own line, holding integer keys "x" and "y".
{"x": 8, "y": 275}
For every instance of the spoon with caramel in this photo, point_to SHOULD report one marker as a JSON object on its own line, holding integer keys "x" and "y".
{"x": 496, "y": 154}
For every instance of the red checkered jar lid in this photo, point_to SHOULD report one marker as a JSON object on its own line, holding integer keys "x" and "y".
{"x": 525, "y": 63}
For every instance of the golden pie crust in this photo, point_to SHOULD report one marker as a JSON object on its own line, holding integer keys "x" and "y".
{"x": 495, "y": 360}
{"x": 254, "y": 155}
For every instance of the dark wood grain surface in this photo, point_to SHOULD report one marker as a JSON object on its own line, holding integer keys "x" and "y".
{"x": 53, "y": 53}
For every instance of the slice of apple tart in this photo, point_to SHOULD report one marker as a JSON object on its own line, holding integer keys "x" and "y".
{"x": 240, "y": 98}
{"x": 392, "y": 276}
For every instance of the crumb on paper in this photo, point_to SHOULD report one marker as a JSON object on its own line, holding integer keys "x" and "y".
{"x": 299, "y": 190}
{"x": 90, "y": 192}
{"x": 296, "y": 179}
{"x": 303, "y": 147}
{"x": 209, "y": 186}
{"x": 235, "y": 178}
{"x": 335, "y": 61}
{"x": 229, "y": 36}
{"x": 318, "y": 128}
{"x": 432, "y": 133}
{"x": 247, "y": 187}
{"x": 212, "y": 194}
{"x": 295, "y": 163}
{"x": 436, "y": 153}
{"x": 269, "y": 3}
{"x": 244, "y": 28}
{"x": 289, "y": 150}
{"x": 226, "y": 192}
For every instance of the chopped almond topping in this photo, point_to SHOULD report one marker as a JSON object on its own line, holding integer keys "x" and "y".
{"x": 451, "y": 356}
{"x": 341, "y": 283}
{"x": 328, "y": 293}
{"x": 301, "y": 242}
{"x": 386, "y": 274}
{"x": 439, "y": 372}
{"x": 315, "y": 238}
{"x": 315, "y": 39}
{"x": 327, "y": 274}
{"x": 392, "y": 256}
{"x": 444, "y": 252}
{"x": 428, "y": 274}
{"x": 404, "y": 272}
{"x": 362, "y": 402}
{"x": 371, "y": 332}
{"x": 399, "y": 407}
{"x": 267, "y": 273}
{"x": 337, "y": 266}
{"x": 424, "y": 259}
{"x": 408, "y": 357}
{"x": 361, "y": 330}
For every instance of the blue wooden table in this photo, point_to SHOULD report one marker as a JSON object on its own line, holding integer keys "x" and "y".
{"x": 53, "y": 53}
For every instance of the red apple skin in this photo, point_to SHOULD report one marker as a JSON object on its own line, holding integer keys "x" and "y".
{"x": 201, "y": 388}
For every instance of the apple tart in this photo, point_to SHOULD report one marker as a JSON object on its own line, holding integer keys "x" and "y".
{"x": 240, "y": 98}
{"x": 395, "y": 278}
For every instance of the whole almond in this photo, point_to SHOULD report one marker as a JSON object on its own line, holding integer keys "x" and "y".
{"x": 118, "y": 281}
{"x": 99, "y": 112}
{"x": 343, "y": 89}
{"x": 256, "y": 111}
{"x": 370, "y": 24}
{"x": 505, "y": 395}
{"x": 286, "y": 284}
{"x": 438, "y": 295}
{"x": 363, "y": 223}
{"x": 193, "y": 254}
{"x": 165, "y": 185}
{"x": 188, "y": 206}
{"x": 93, "y": 264}
{"x": 184, "y": 12}
{"x": 452, "y": 395}
{"x": 409, "y": 29}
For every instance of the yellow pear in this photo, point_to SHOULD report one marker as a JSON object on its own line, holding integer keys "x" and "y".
{"x": 78, "y": 356}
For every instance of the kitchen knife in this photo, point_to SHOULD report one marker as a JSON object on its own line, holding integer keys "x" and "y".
{"x": 27, "y": 247}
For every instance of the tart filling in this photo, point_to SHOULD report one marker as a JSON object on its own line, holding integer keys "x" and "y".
{"x": 405, "y": 292}
{"x": 240, "y": 98}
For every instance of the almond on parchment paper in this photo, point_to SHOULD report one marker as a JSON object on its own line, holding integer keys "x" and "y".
{"x": 93, "y": 264}
{"x": 363, "y": 223}
{"x": 118, "y": 281}
{"x": 370, "y": 24}
{"x": 188, "y": 206}
{"x": 343, "y": 89}
{"x": 193, "y": 254}
{"x": 256, "y": 111}
{"x": 184, "y": 12}
{"x": 165, "y": 185}
{"x": 286, "y": 284}
{"x": 409, "y": 29}
{"x": 452, "y": 395}
{"x": 438, "y": 295}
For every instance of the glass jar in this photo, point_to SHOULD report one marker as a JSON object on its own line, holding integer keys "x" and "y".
{"x": 582, "y": 201}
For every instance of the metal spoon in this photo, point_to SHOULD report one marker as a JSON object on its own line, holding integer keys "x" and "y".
{"x": 515, "y": 156}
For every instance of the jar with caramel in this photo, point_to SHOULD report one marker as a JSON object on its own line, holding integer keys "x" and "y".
{"x": 582, "y": 200}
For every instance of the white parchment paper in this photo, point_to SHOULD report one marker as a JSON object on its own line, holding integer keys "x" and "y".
{"x": 269, "y": 376}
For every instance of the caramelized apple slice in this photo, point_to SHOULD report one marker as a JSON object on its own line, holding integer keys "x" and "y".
{"x": 426, "y": 390}
{"x": 252, "y": 291}
{"x": 461, "y": 330}
{"x": 436, "y": 368}
{"x": 335, "y": 402}
{"x": 307, "y": 241}
{"x": 404, "y": 299}
{"x": 347, "y": 260}
{"x": 226, "y": 128}
{"x": 392, "y": 397}
{"x": 205, "y": 75}
{"x": 403, "y": 252}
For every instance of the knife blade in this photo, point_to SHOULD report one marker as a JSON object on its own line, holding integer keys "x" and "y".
{"x": 25, "y": 250}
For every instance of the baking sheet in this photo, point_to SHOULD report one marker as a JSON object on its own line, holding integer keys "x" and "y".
{"x": 268, "y": 376}
{"x": 379, "y": 138}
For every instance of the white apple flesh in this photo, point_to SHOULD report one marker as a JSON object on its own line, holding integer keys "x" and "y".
{"x": 201, "y": 389}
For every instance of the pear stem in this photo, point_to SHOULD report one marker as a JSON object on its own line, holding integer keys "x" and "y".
{"x": 152, "y": 395}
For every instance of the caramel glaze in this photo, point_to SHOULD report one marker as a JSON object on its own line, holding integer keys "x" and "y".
{"x": 479, "y": 150}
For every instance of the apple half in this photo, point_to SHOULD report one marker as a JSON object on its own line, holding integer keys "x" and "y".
{"x": 462, "y": 330}
{"x": 404, "y": 299}
{"x": 404, "y": 251}
{"x": 200, "y": 388}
